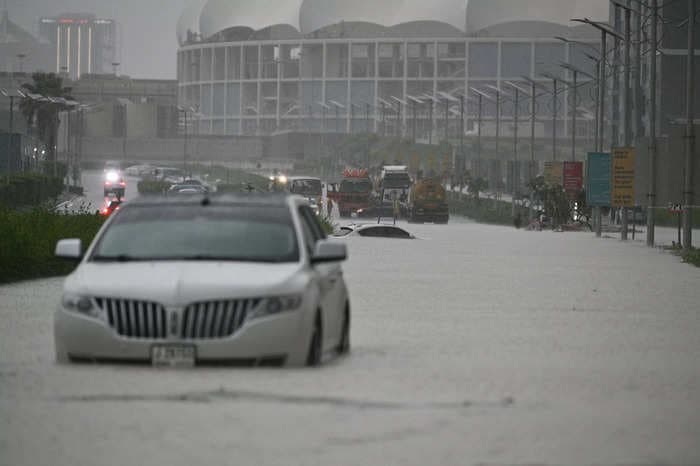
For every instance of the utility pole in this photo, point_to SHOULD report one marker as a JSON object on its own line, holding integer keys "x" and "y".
{"x": 554, "y": 119}
{"x": 628, "y": 100}
{"x": 653, "y": 146}
{"x": 447, "y": 120}
{"x": 573, "y": 115}
{"x": 462, "y": 157}
{"x": 690, "y": 132}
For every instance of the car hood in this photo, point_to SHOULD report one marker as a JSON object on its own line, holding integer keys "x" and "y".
{"x": 180, "y": 283}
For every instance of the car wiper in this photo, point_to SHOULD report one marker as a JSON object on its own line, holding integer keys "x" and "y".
{"x": 204, "y": 257}
{"x": 118, "y": 258}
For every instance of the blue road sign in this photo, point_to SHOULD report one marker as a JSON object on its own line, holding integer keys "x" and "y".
{"x": 599, "y": 179}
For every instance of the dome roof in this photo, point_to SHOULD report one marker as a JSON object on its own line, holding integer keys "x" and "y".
{"x": 210, "y": 17}
{"x": 482, "y": 14}
{"x": 189, "y": 20}
{"x": 317, "y": 14}
{"x": 218, "y": 15}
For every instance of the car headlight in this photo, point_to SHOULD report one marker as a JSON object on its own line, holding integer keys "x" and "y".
{"x": 80, "y": 304}
{"x": 112, "y": 177}
{"x": 276, "y": 305}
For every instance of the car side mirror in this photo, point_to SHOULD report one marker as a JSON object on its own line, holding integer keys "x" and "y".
{"x": 71, "y": 249}
{"x": 329, "y": 251}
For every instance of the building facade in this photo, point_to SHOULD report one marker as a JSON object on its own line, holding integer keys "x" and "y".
{"x": 82, "y": 43}
{"x": 398, "y": 67}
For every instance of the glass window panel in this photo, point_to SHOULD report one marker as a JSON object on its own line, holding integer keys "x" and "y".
{"x": 270, "y": 55}
{"x": 269, "y": 98}
{"x": 250, "y": 99}
{"x": 289, "y": 100}
{"x": 483, "y": 60}
{"x": 233, "y": 106}
{"x": 219, "y": 63}
{"x": 312, "y": 61}
{"x": 233, "y": 127}
{"x": 391, "y": 59}
{"x": 363, "y": 60}
{"x": 234, "y": 63}
{"x": 205, "y": 65}
{"x": 219, "y": 100}
{"x": 337, "y": 60}
{"x": 219, "y": 128}
{"x": 290, "y": 59}
{"x": 250, "y": 59}
{"x": 312, "y": 94}
{"x": 547, "y": 58}
{"x": 516, "y": 59}
{"x": 205, "y": 102}
{"x": 337, "y": 91}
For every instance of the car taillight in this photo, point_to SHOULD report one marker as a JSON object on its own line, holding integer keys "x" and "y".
{"x": 108, "y": 183}
{"x": 123, "y": 183}
{"x": 104, "y": 211}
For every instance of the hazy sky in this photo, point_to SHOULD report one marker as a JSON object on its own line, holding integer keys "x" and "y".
{"x": 148, "y": 46}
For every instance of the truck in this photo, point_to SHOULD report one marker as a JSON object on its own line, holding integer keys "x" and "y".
{"x": 428, "y": 202}
{"x": 394, "y": 186}
{"x": 353, "y": 193}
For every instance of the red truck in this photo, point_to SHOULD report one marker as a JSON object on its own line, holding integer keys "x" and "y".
{"x": 354, "y": 192}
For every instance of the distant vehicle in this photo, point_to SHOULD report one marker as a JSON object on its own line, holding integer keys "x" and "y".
{"x": 244, "y": 279}
{"x": 139, "y": 170}
{"x": 188, "y": 189}
{"x": 353, "y": 193}
{"x": 428, "y": 202}
{"x": 395, "y": 184}
{"x": 112, "y": 165}
{"x": 309, "y": 188}
{"x": 114, "y": 183}
{"x": 376, "y": 230}
{"x": 110, "y": 207}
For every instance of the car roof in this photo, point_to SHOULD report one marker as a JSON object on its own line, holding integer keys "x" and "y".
{"x": 298, "y": 178}
{"x": 254, "y": 199}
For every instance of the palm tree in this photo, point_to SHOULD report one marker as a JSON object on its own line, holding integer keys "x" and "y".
{"x": 44, "y": 114}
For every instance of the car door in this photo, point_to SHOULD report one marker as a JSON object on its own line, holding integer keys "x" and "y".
{"x": 331, "y": 283}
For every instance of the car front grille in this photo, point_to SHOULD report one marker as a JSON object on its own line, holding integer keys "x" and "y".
{"x": 135, "y": 319}
{"x": 215, "y": 319}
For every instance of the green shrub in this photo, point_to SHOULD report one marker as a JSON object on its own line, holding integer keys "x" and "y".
{"x": 29, "y": 189}
{"x": 28, "y": 240}
{"x": 692, "y": 257}
{"x": 485, "y": 210}
{"x": 153, "y": 187}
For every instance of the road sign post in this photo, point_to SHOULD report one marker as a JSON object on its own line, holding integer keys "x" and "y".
{"x": 599, "y": 183}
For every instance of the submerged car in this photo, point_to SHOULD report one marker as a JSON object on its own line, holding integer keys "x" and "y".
{"x": 246, "y": 279}
{"x": 374, "y": 230}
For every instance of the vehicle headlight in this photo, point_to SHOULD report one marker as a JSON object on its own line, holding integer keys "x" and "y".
{"x": 80, "y": 304}
{"x": 112, "y": 177}
{"x": 276, "y": 305}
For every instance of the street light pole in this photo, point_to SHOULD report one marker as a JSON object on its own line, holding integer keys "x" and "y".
{"x": 653, "y": 147}
{"x": 628, "y": 100}
{"x": 690, "y": 131}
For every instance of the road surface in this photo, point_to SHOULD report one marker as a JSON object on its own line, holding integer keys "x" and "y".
{"x": 471, "y": 345}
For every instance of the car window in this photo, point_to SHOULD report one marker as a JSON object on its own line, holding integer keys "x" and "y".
{"x": 384, "y": 232}
{"x": 310, "y": 237}
{"x": 314, "y": 222}
{"x": 195, "y": 232}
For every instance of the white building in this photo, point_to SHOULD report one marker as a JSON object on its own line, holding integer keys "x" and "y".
{"x": 386, "y": 66}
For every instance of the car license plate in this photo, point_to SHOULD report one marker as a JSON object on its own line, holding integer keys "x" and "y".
{"x": 173, "y": 355}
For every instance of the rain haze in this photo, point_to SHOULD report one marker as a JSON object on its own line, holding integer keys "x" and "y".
{"x": 335, "y": 232}
{"x": 147, "y": 28}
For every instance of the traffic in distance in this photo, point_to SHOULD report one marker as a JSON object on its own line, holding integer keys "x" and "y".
{"x": 206, "y": 277}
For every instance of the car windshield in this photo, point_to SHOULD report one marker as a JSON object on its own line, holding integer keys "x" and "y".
{"x": 306, "y": 187}
{"x": 196, "y": 232}
{"x": 355, "y": 186}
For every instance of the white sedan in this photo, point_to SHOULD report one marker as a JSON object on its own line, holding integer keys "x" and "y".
{"x": 248, "y": 279}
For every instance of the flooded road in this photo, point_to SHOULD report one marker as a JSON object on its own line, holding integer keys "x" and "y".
{"x": 471, "y": 345}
